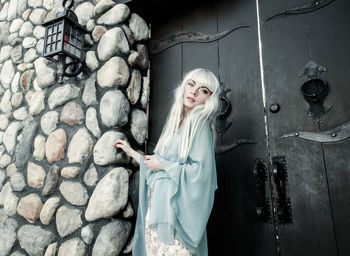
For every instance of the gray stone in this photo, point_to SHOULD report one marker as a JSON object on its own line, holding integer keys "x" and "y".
{"x": 30, "y": 55}
{"x": 35, "y": 175}
{"x": 110, "y": 195}
{"x": 129, "y": 212}
{"x": 8, "y": 199}
{"x": 26, "y": 29}
{"x": 114, "y": 109}
{"x": 134, "y": 189}
{"x": 29, "y": 42}
{"x": 68, "y": 220}
{"x": 111, "y": 43}
{"x": 143, "y": 59}
{"x": 74, "y": 193}
{"x": 16, "y": 99}
{"x": 12, "y": 11}
{"x": 20, "y": 114}
{"x": 51, "y": 250}
{"x": 72, "y": 114}
{"x": 134, "y": 88}
{"x": 35, "y": 3}
{"x": 132, "y": 58}
{"x": 46, "y": 76}
{"x": 129, "y": 246}
{"x": 4, "y": 121}
{"x": 16, "y": 25}
{"x": 34, "y": 239}
{"x": 48, "y": 4}
{"x": 138, "y": 125}
{"x": 90, "y": 25}
{"x": 49, "y": 122}
{"x": 97, "y": 32}
{"x": 87, "y": 233}
{"x": 115, "y": 72}
{"x": 80, "y": 146}
{"x": 10, "y": 135}
{"x": 16, "y": 253}
{"x": 14, "y": 40}
{"x": 5, "y": 52}
{"x": 17, "y": 182}
{"x": 112, "y": 238}
{"x": 48, "y": 210}
{"x": 5, "y": 103}
{"x": 117, "y": 14}
{"x": 21, "y": 7}
{"x": 39, "y": 32}
{"x": 55, "y": 145}
{"x": 92, "y": 122}
{"x": 129, "y": 35}
{"x": 102, "y": 6}
{"x": 63, "y": 94}
{"x": 24, "y": 66}
{"x": 5, "y": 160}
{"x": 29, "y": 207}
{"x": 84, "y": 12}
{"x": 15, "y": 84}
{"x": 37, "y": 103}
{"x": 40, "y": 46}
{"x": 4, "y": 10}
{"x": 39, "y": 148}
{"x": 73, "y": 246}
{"x": 104, "y": 151}
{"x": 25, "y": 14}
{"x": 37, "y": 16}
{"x": 16, "y": 54}
{"x": 145, "y": 92}
{"x": 89, "y": 94}
{"x": 70, "y": 172}
{"x": 91, "y": 60}
{"x": 2, "y": 179}
{"x": 7, "y": 73}
{"x": 10, "y": 170}
{"x": 51, "y": 180}
{"x": 8, "y": 235}
{"x": 139, "y": 27}
{"x": 23, "y": 150}
{"x": 4, "y": 32}
{"x": 90, "y": 176}
{"x": 26, "y": 79}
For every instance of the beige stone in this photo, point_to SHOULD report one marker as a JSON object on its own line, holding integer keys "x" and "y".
{"x": 29, "y": 207}
{"x": 48, "y": 210}
{"x": 55, "y": 145}
{"x": 70, "y": 172}
{"x": 35, "y": 175}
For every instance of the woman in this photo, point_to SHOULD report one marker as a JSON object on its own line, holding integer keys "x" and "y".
{"x": 177, "y": 183}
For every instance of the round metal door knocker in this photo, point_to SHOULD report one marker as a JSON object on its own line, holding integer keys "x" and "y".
{"x": 315, "y": 92}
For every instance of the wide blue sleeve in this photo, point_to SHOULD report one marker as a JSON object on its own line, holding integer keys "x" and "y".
{"x": 195, "y": 183}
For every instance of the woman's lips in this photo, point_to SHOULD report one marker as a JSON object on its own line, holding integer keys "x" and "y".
{"x": 190, "y": 99}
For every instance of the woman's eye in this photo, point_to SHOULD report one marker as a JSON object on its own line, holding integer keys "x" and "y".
{"x": 190, "y": 84}
{"x": 205, "y": 91}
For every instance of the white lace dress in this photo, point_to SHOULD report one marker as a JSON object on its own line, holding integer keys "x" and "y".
{"x": 155, "y": 247}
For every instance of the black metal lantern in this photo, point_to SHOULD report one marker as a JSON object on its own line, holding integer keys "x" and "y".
{"x": 64, "y": 38}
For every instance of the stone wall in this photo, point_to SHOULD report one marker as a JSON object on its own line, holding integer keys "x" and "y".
{"x": 65, "y": 190}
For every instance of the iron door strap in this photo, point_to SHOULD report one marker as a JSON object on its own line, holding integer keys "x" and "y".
{"x": 280, "y": 177}
{"x": 261, "y": 182}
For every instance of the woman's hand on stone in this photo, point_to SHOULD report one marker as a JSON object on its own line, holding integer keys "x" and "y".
{"x": 124, "y": 145}
{"x": 152, "y": 163}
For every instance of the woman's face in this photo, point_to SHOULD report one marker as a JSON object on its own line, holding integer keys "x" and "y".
{"x": 194, "y": 94}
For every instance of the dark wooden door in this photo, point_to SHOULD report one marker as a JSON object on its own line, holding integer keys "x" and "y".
{"x": 234, "y": 226}
{"x": 309, "y": 33}
{"x": 307, "y": 160}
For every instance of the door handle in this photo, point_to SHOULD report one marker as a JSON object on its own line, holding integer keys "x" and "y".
{"x": 261, "y": 182}
{"x": 280, "y": 177}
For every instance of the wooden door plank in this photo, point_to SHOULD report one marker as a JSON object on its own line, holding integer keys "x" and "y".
{"x": 330, "y": 47}
{"x": 285, "y": 53}
{"x": 240, "y": 71}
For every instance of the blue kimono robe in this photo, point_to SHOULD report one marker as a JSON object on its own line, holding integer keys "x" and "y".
{"x": 182, "y": 197}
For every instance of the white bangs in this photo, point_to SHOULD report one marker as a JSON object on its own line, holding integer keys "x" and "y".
{"x": 205, "y": 77}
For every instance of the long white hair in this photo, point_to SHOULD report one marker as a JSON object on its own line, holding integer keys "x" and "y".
{"x": 196, "y": 118}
